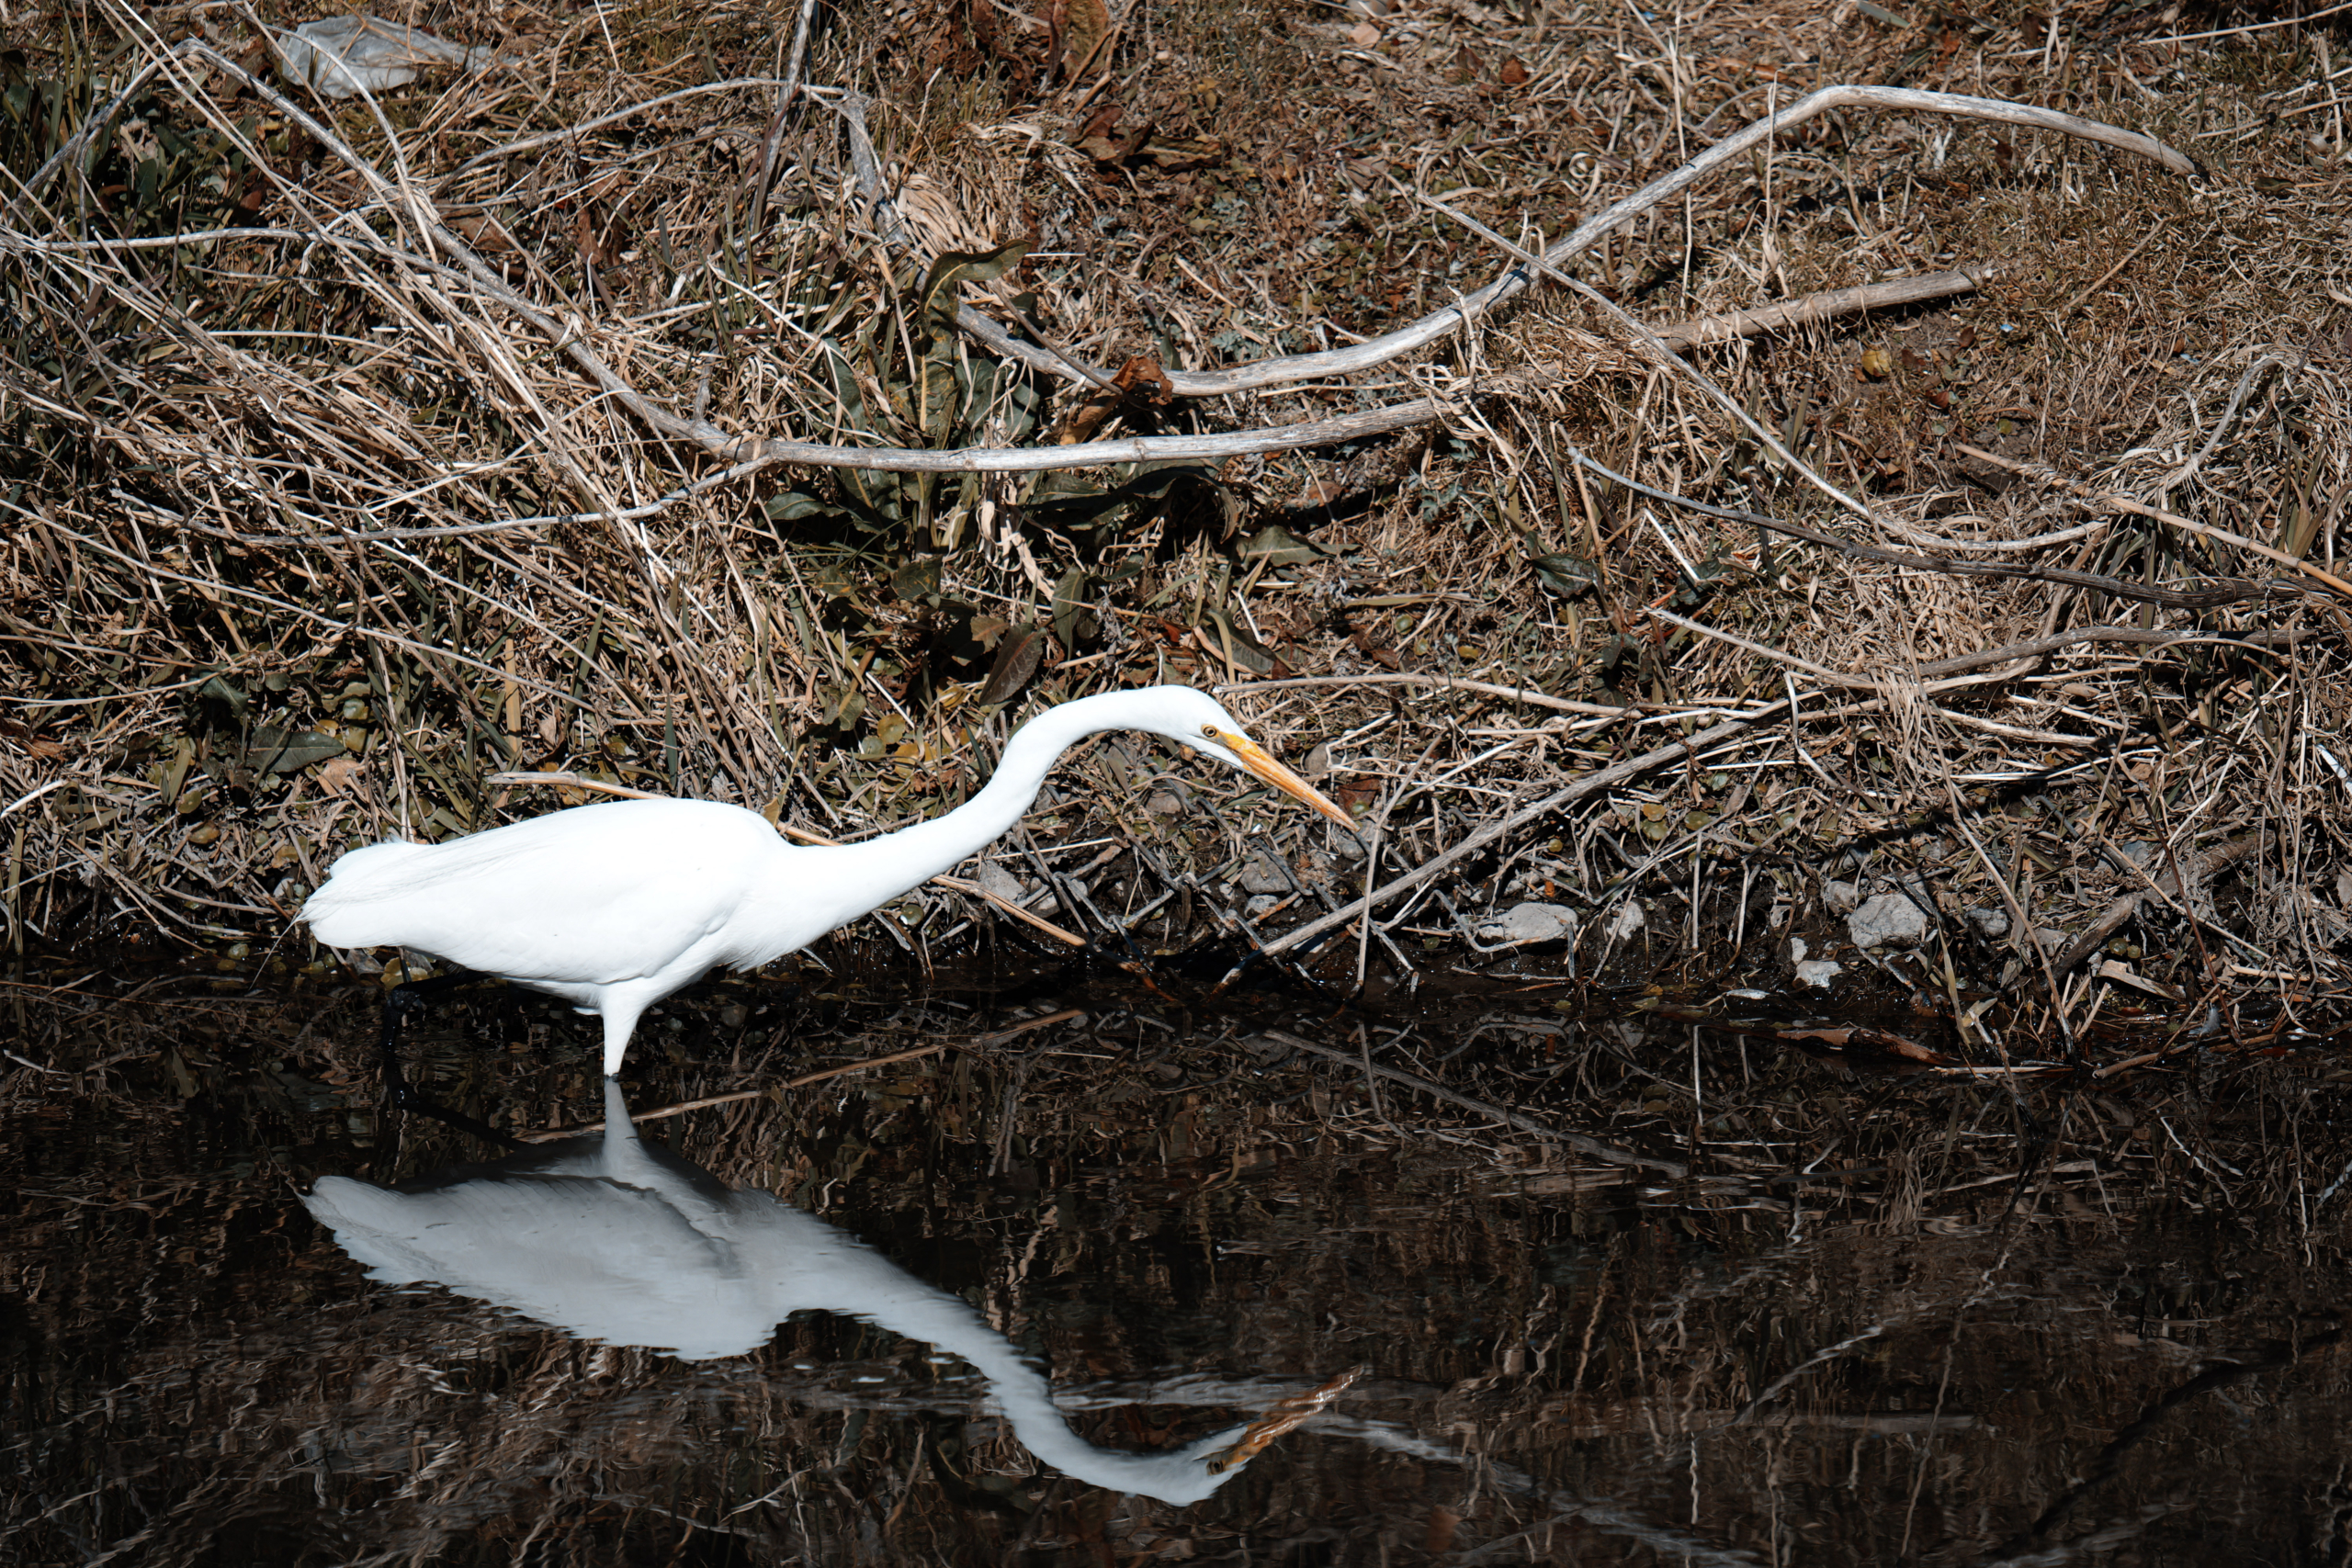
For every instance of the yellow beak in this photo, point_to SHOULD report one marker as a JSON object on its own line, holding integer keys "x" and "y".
{"x": 1287, "y": 1414}
{"x": 1255, "y": 758}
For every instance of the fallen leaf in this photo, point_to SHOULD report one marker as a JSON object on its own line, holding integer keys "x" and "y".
{"x": 1017, "y": 658}
{"x": 1437, "y": 1536}
{"x": 1378, "y": 653}
{"x": 1100, "y": 122}
{"x": 1141, "y": 377}
{"x": 1084, "y": 25}
{"x": 1861, "y": 1036}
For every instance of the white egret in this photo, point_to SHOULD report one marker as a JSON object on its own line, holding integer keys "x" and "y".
{"x": 621, "y": 1241}
{"x": 614, "y": 907}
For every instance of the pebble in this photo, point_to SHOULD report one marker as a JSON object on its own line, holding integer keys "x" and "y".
{"x": 1260, "y": 874}
{"x": 1890, "y": 918}
{"x": 1528, "y": 922}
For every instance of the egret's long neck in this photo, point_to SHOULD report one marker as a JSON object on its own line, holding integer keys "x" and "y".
{"x": 927, "y": 849}
{"x": 1177, "y": 1475}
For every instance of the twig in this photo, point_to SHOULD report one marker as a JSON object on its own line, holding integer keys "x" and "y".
{"x": 1527, "y": 695}
{"x": 2183, "y": 599}
{"x": 999, "y": 1036}
{"x": 1577, "y": 1141}
{"x": 708, "y": 1100}
{"x": 2042, "y": 474}
{"x": 2101, "y": 282}
{"x": 213, "y": 589}
{"x": 959, "y": 885}
{"x": 1591, "y": 782}
{"x": 784, "y": 98}
{"x": 571, "y": 132}
{"x": 1372, "y": 352}
{"x": 1927, "y": 673}
{"x": 1827, "y": 304}
{"x": 2229, "y": 416}
{"x": 2304, "y": 20}
{"x": 1656, "y": 348}
{"x": 575, "y": 781}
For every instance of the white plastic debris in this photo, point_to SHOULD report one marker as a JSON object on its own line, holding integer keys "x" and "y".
{"x": 1627, "y": 921}
{"x": 1818, "y": 973}
{"x": 342, "y": 56}
{"x": 1523, "y": 923}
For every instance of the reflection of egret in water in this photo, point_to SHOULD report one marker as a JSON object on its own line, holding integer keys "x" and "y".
{"x": 619, "y": 1240}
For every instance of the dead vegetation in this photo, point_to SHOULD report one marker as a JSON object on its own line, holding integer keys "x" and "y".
{"x": 360, "y": 451}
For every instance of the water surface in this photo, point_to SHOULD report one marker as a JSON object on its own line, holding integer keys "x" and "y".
{"x": 1873, "y": 1320}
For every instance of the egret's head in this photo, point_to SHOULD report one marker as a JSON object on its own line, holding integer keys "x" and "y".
{"x": 1197, "y": 719}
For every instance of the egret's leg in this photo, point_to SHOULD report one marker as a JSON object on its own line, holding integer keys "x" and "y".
{"x": 621, "y": 1012}
{"x": 399, "y": 1093}
{"x": 409, "y": 996}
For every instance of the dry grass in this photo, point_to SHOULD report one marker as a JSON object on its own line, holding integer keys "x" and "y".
{"x": 316, "y": 523}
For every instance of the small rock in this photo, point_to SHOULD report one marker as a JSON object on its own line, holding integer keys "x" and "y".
{"x": 1164, "y": 804}
{"x": 1990, "y": 922}
{"x": 1819, "y": 973}
{"x": 1523, "y": 923}
{"x": 1260, "y": 905}
{"x": 994, "y": 879}
{"x": 1798, "y": 948}
{"x": 2050, "y": 937}
{"x": 1890, "y": 917}
{"x": 1628, "y": 919}
{"x": 1842, "y": 896}
{"x": 1260, "y": 874}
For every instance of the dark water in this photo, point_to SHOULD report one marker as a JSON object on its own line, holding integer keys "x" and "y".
{"x": 1875, "y": 1320}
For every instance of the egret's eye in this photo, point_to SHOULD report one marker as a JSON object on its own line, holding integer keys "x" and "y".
{"x": 1209, "y": 730}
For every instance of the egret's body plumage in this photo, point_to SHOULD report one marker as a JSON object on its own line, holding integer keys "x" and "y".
{"x": 614, "y": 907}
